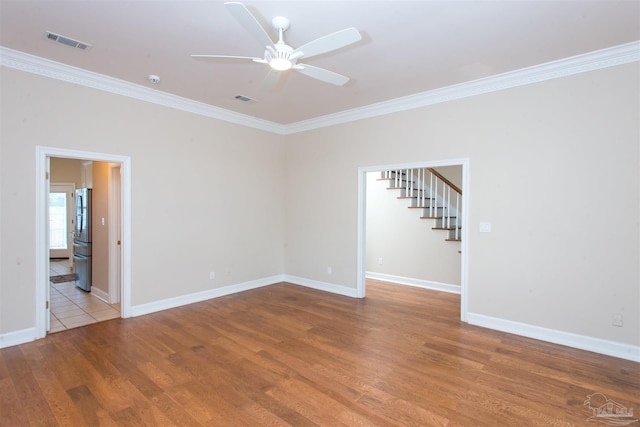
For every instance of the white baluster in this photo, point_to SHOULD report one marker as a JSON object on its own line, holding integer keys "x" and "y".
{"x": 405, "y": 184}
{"x": 441, "y": 196}
{"x": 457, "y": 215}
{"x": 431, "y": 193}
{"x": 421, "y": 185}
{"x": 448, "y": 206}
{"x": 444, "y": 199}
{"x": 411, "y": 184}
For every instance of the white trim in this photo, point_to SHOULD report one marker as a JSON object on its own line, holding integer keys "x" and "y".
{"x": 418, "y": 283}
{"x": 42, "y": 246}
{"x": 28, "y": 335}
{"x": 56, "y": 70}
{"x": 155, "y": 306}
{"x": 17, "y": 337}
{"x": 152, "y": 307}
{"x": 100, "y": 294}
{"x": 42, "y": 251}
{"x": 582, "y": 342}
{"x": 115, "y": 217}
{"x": 464, "y": 221}
{"x": 322, "y": 286}
{"x": 605, "y": 58}
{"x": 361, "y": 232}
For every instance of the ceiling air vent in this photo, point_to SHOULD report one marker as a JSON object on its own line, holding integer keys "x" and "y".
{"x": 67, "y": 41}
{"x": 244, "y": 98}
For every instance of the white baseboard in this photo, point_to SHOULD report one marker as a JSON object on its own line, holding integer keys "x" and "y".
{"x": 152, "y": 307}
{"x": 27, "y": 335}
{"x": 322, "y": 286}
{"x": 582, "y": 342}
{"x": 609, "y": 348}
{"x": 17, "y": 337}
{"x": 100, "y": 294}
{"x": 419, "y": 283}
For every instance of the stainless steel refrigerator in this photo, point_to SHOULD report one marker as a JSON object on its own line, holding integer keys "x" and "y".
{"x": 82, "y": 239}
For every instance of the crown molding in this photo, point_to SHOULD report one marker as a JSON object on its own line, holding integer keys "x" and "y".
{"x": 605, "y": 58}
{"x": 56, "y": 70}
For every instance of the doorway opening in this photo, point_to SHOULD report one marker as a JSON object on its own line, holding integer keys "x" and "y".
{"x": 117, "y": 212}
{"x": 463, "y": 221}
{"x": 61, "y": 220}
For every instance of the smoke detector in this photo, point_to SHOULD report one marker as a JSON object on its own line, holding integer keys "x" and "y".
{"x": 154, "y": 79}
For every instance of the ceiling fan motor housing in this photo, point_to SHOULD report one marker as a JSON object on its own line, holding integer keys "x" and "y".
{"x": 281, "y": 57}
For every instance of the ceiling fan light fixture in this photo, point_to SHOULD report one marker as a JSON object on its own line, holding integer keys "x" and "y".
{"x": 280, "y": 56}
{"x": 280, "y": 64}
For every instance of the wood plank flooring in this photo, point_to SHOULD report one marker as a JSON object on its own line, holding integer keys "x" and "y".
{"x": 288, "y": 355}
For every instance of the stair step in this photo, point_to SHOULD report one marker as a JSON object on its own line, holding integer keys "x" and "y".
{"x": 450, "y": 224}
{"x": 435, "y": 211}
{"x": 394, "y": 180}
{"x": 399, "y": 188}
{"x": 409, "y": 190}
{"x": 416, "y": 198}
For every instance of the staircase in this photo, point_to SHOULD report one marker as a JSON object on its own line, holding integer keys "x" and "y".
{"x": 433, "y": 195}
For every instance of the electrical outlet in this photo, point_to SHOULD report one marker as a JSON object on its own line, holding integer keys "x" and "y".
{"x": 617, "y": 319}
{"x": 329, "y": 270}
{"x": 212, "y": 275}
{"x": 485, "y": 227}
{"x": 380, "y": 261}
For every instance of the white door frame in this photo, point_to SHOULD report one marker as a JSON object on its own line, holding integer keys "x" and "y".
{"x": 43, "y": 154}
{"x": 362, "y": 226}
{"x": 114, "y": 233}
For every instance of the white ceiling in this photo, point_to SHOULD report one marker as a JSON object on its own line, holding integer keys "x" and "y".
{"x": 408, "y": 47}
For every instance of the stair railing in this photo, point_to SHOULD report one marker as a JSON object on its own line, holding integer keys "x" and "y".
{"x": 444, "y": 189}
{"x": 439, "y": 197}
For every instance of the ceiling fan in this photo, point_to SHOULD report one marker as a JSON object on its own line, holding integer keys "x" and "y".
{"x": 282, "y": 57}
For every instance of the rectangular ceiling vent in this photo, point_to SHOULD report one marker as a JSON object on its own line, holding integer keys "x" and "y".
{"x": 67, "y": 41}
{"x": 244, "y": 98}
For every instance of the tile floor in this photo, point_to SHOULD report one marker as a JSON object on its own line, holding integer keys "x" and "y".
{"x": 71, "y": 306}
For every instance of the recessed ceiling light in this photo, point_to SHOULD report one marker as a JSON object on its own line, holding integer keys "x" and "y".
{"x": 67, "y": 41}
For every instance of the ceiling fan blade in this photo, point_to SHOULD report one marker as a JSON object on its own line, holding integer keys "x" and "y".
{"x": 330, "y": 42}
{"x": 273, "y": 80}
{"x": 321, "y": 74}
{"x": 249, "y": 22}
{"x": 226, "y": 57}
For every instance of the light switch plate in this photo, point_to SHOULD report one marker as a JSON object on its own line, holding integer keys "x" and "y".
{"x": 485, "y": 227}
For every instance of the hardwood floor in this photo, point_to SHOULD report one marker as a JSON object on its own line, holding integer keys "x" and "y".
{"x": 288, "y": 355}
